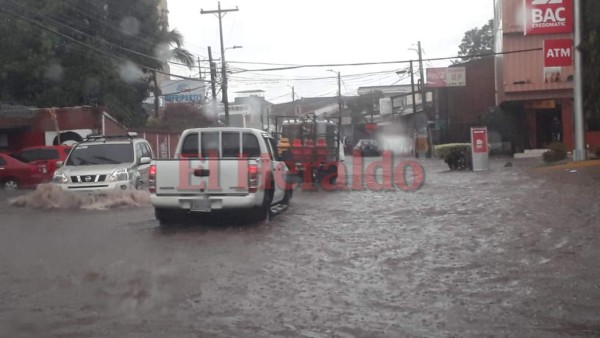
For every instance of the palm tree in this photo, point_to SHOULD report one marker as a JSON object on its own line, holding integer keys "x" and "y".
{"x": 169, "y": 48}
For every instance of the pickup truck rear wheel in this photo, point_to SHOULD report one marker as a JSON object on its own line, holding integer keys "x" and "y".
{"x": 166, "y": 216}
{"x": 287, "y": 196}
{"x": 263, "y": 212}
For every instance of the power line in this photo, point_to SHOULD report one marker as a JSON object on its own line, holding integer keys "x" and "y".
{"x": 383, "y": 62}
{"x": 263, "y": 63}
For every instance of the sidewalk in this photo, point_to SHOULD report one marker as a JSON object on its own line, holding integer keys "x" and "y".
{"x": 569, "y": 166}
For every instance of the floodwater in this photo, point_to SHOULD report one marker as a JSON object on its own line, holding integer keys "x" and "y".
{"x": 48, "y": 196}
{"x": 509, "y": 252}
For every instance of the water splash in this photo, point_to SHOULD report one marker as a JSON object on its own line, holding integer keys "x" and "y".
{"x": 48, "y": 196}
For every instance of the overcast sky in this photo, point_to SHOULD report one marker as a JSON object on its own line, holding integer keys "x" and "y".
{"x": 324, "y": 32}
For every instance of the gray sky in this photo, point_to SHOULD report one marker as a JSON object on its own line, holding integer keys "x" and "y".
{"x": 324, "y": 32}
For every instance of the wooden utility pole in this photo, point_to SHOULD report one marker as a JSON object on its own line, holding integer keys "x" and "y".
{"x": 199, "y": 69}
{"x": 213, "y": 75}
{"x": 412, "y": 88}
{"x": 424, "y": 100}
{"x": 220, "y": 14}
{"x": 421, "y": 79}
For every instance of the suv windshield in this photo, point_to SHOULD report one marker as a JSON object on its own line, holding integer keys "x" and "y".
{"x": 110, "y": 153}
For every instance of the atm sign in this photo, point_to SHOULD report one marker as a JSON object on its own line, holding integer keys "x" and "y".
{"x": 558, "y": 53}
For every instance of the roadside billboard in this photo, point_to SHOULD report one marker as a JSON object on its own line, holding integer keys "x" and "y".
{"x": 548, "y": 16}
{"x": 183, "y": 91}
{"x": 446, "y": 77}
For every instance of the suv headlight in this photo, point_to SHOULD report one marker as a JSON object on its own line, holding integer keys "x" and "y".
{"x": 60, "y": 178}
{"x": 119, "y": 175}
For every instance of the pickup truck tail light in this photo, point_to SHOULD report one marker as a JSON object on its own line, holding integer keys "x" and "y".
{"x": 152, "y": 179}
{"x": 252, "y": 178}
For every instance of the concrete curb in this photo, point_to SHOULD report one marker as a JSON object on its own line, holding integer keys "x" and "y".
{"x": 569, "y": 165}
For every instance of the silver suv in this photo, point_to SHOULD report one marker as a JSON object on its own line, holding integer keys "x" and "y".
{"x": 105, "y": 163}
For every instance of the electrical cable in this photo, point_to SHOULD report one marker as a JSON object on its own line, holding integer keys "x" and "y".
{"x": 384, "y": 62}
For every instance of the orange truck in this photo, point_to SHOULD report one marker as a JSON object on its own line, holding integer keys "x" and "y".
{"x": 310, "y": 146}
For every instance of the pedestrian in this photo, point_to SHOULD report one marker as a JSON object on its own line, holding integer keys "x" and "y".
{"x": 556, "y": 130}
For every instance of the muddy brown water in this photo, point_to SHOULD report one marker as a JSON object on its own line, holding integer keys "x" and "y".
{"x": 501, "y": 253}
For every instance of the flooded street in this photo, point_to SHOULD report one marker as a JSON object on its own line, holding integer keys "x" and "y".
{"x": 509, "y": 252}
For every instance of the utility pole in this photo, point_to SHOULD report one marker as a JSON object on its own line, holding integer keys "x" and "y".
{"x": 424, "y": 100}
{"x": 220, "y": 14}
{"x": 339, "y": 128}
{"x": 412, "y": 87}
{"x": 580, "y": 153}
{"x": 213, "y": 75}
{"x": 293, "y": 95}
{"x": 340, "y": 94}
{"x": 422, "y": 79}
{"x": 199, "y": 69}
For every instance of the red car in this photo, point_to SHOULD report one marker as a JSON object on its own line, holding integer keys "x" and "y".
{"x": 15, "y": 174}
{"x": 45, "y": 155}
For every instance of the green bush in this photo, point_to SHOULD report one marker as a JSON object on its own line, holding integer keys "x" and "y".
{"x": 456, "y": 155}
{"x": 557, "y": 151}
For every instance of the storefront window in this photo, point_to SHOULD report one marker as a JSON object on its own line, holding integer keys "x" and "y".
{"x": 593, "y": 123}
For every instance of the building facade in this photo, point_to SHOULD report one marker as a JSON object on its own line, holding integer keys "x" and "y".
{"x": 531, "y": 91}
{"x": 458, "y": 108}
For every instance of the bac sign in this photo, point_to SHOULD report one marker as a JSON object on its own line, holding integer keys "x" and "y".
{"x": 479, "y": 140}
{"x": 548, "y": 16}
{"x": 558, "y": 53}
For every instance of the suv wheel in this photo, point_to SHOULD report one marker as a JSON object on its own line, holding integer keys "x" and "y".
{"x": 10, "y": 184}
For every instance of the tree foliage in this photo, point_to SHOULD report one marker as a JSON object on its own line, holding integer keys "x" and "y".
{"x": 363, "y": 106}
{"x": 590, "y": 48}
{"x": 477, "y": 42}
{"x": 170, "y": 47}
{"x": 82, "y": 52}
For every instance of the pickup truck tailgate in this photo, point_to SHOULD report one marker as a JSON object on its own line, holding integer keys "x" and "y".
{"x": 193, "y": 176}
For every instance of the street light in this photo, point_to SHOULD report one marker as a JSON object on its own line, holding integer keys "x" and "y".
{"x": 412, "y": 84}
{"x": 234, "y": 47}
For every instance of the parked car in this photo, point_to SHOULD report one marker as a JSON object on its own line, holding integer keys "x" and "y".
{"x": 105, "y": 163}
{"x": 15, "y": 173}
{"x": 367, "y": 147}
{"x": 46, "y": 155}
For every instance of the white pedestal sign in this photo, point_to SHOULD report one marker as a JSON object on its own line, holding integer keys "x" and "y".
{"x": 480, "y": 149}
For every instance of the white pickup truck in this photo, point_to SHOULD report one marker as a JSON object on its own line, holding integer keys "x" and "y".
{"x": 220, "y": 170}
